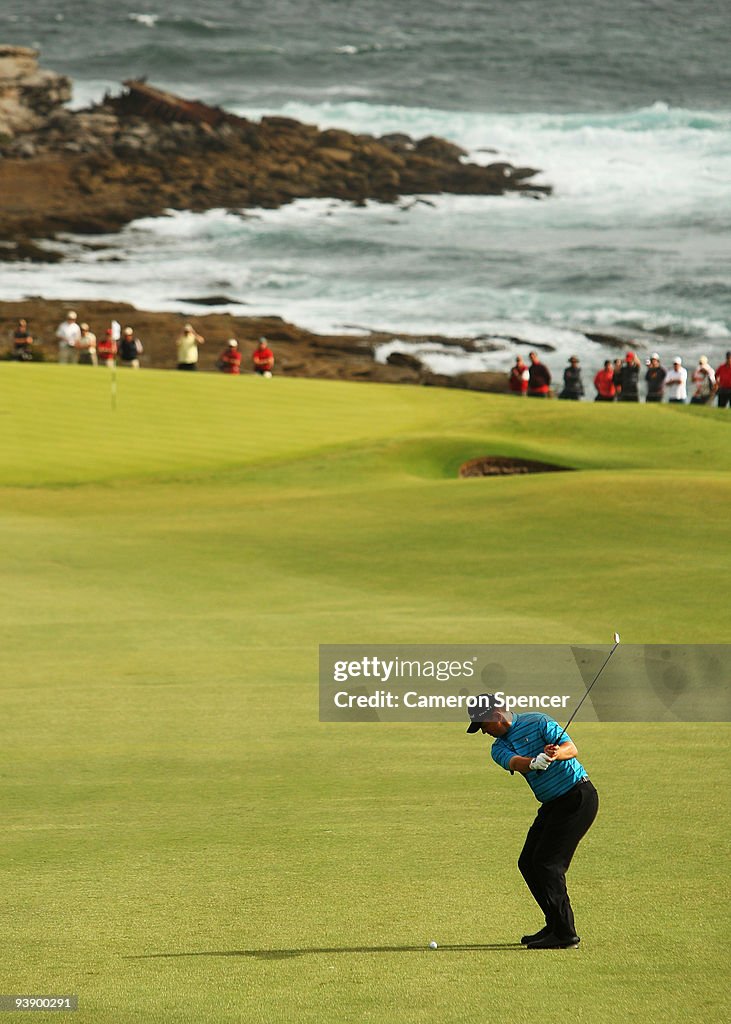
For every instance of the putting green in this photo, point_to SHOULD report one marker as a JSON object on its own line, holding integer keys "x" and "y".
{"x": 186, "y": 842}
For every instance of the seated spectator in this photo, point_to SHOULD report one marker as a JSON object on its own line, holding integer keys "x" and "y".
{"x": 723, "y": 383}
{"x": 539, "y": 378}
{"x": 86, "y": 346}
{"x": 230, "y": 359}
{"x": 675, "y": 381}
{"x": 704, "y": 380}
{"x": 68, "y": 333}
{"x": 263, "y": 359}
{"x": 629, "y": 379}
{"x": 655, "y": 378}
{"x": 573, "y": 386}
{"x": 606, "y": 390}
{"x": 130, "y": 349}
{"x": 518, "y": 378}
{"x": 187, "y": 345}
{"x": 22, "y": 343}
{"x": 106, "y": 349}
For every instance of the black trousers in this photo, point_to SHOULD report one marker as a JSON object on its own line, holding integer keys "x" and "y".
{"x": 549, "y": 846}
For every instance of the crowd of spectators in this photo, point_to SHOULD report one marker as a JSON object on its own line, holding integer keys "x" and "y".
{"x": 619, "y": 380}
{"x": 119, "y": 346}
{"x": 623, "y": 380}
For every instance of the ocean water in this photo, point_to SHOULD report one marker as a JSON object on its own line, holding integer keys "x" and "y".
{"x": 626, "y": 111}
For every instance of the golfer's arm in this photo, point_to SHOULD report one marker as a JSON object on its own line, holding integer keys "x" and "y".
{"x": 566, "y": 751}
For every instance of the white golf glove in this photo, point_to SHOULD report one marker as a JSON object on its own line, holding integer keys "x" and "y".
{"x": 540, "y": 763}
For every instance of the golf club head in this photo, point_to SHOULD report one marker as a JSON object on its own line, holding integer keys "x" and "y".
{"x": 616, "y": 638}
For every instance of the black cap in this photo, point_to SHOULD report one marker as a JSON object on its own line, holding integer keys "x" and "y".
{"x": 481, "y": 710}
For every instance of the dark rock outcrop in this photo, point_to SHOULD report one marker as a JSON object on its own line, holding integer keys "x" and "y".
{"x": 146, "y": 150}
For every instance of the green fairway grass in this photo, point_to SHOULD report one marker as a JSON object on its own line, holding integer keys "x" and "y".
{"x": 185, "y": 842}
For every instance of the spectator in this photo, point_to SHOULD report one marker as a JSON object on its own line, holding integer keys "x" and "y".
{"x": 606, "y": 390}
{"x": 618, "y": 364}
{"x": 86, "y": 346}
{"x": 629, "y": 377}
{"x": 230, "y": 359}
{"x": 723, "y": 382}
{"x": 675, "y": 381}
{"x": 22, "y": 343}
{"x": 573, "y": 387}
{"x": 518, "y": 379}
{"x": 655, "y": 378}
{"x": 130, "y": 349}
{"x": 68, "y": 333}
{"x": 539, "y": 378}
{"x": 187, "y": 344}
{"x": 106, "y": 349}
{"x": 705, "y": 382}
{"x": 263, "y": 359}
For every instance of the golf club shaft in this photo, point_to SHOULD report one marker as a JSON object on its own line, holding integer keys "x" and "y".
{"x": 606, "y": 662}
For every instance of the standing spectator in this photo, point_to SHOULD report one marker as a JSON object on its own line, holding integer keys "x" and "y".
{"x": 675, "y": 381}
{"x": 68, "y": 333}
{"x": 263, "y": 359}
{"x": 518, "y": 379}
{"x": 187, "y": 345}
{"x": 629, "y": 376}
{"x": 655, "y": 378}
{"x": 230, "y": 359}
{"x": 604, "y": 383}
{"x": 106, "y": 349}
{"x": 86, "y": 346}
{"x": 22, "y": 343}
{"x": 618, "y": 364}
{"x": 573, "y": 386}
{"x": 723, "y": 382}
{"x": 705, "y": 382}
{"x": 539, "y": 378}
{"x": 130, "y": 349}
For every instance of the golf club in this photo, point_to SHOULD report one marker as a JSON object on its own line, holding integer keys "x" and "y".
{"x": 606, "y": 662}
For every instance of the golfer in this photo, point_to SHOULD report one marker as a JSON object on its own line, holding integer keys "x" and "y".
{"x": 527, "y": 743}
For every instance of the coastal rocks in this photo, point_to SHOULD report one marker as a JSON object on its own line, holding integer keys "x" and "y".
{"x": 147, "y": 150}
{"x": 28, "y": 95}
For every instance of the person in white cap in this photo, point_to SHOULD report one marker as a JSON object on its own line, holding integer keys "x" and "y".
{"x": 675, "y": 381}
{"x": 230, "y": 359}
{"x": 68, "y": 333}
{"x": 704, "y": 379}
{"x": 655, "y": 378}
{"x": 187, "y": 346}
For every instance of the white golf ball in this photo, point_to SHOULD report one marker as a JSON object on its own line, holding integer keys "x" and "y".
{"x": 433, "y": 945}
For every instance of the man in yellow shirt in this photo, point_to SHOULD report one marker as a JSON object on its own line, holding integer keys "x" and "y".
{"x": 187, "y": 345}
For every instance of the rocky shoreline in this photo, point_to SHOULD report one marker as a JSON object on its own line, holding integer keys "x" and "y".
{"x": 143, "y": 151}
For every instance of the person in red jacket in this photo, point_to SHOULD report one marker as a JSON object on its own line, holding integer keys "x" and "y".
{"x": 106, "y": 348}
{"x": 230, "y": 359}
{"x": 518, "y": 379}
{"x": 723, "y": 383}
{"x": 263, "y": 359}
{"x": 539, "y": 378}
{"x": 604, "y": 383}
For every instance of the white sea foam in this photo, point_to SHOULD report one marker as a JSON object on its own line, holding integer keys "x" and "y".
{"x": 148, "y": 20}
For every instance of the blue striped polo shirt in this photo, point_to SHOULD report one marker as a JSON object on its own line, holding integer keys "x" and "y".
{"x": 527, "y": 736}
